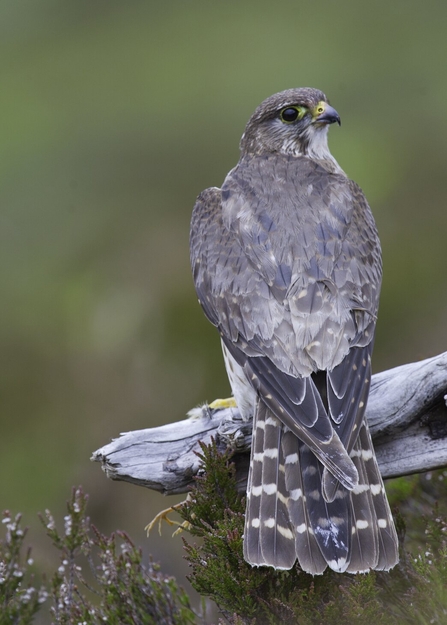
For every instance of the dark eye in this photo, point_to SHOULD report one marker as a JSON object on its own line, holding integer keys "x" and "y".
{"x": 291, "y": 114}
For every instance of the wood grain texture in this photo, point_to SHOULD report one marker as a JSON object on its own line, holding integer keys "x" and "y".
{"x": 406, "y": 411}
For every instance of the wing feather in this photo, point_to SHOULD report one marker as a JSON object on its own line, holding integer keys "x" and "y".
{"x": 286, "y": 263}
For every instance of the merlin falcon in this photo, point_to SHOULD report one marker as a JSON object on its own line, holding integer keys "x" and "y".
{"x": 287, "y": 265}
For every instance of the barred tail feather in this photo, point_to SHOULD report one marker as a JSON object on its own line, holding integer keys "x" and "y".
{"x": 307, "y": 550}
{"x": 330, "y": 522}
{"x": 365, "y": 540}
{"x": 269, "y": 539}
{"x": 252, "y": 542}
{"x": 388, "y": 544}
{"x": 288, "y": 517}
{"x": 277, "y": 537}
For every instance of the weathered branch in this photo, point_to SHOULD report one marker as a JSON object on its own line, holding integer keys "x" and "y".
{"x": 406, "y": 410}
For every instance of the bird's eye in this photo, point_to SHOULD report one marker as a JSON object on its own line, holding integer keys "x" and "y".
{"x": 292, "y": 113}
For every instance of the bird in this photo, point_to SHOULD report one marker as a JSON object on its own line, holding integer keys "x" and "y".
{"x": 286, "y": 262}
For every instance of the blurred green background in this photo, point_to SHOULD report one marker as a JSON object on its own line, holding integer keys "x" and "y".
{"x": 114, "y": 115}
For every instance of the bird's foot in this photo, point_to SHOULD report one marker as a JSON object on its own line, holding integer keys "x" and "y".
{"x": 230, "y": 402}
{"x": 163, "y": 516}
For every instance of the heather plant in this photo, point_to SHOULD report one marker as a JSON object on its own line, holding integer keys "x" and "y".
{"x": 413, "y": 592}
{"x": 100, "y": 579}
{"x": 20, "y": 600}
{"x": 103, "y": 579}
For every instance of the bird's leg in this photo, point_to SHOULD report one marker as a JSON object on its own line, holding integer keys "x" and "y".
{"x": 217, "y": 404}
{"x": 163, "y": 516}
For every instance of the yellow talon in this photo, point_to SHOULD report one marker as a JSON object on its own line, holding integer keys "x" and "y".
{"x": 163, "y": 516}
{"x": 186, "y": 525}
{"x": 230, "y": 402}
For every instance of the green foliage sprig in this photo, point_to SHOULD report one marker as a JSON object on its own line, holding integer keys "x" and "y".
{"x": 103, "y": 578}
{"x": 19, "y": 599}
{"x": 100, "y": 579}
{"x": 413, "y": 592}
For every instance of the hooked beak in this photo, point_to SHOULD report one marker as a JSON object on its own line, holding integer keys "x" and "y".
{"x": 328, "y": 115}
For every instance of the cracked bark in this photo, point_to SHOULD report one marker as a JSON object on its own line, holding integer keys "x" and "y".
{"x": 406, "y": 411}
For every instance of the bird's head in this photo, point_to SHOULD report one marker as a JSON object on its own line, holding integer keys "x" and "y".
{"x": 291, "y": 122}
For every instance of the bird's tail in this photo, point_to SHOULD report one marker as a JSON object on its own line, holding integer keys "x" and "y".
{"x": 269, "y": 538}
{"x": 372, "y": 521}
{"x": 289, "y": 519}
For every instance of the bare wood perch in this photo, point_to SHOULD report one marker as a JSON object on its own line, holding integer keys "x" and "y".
{"x": 407, "y": 414}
